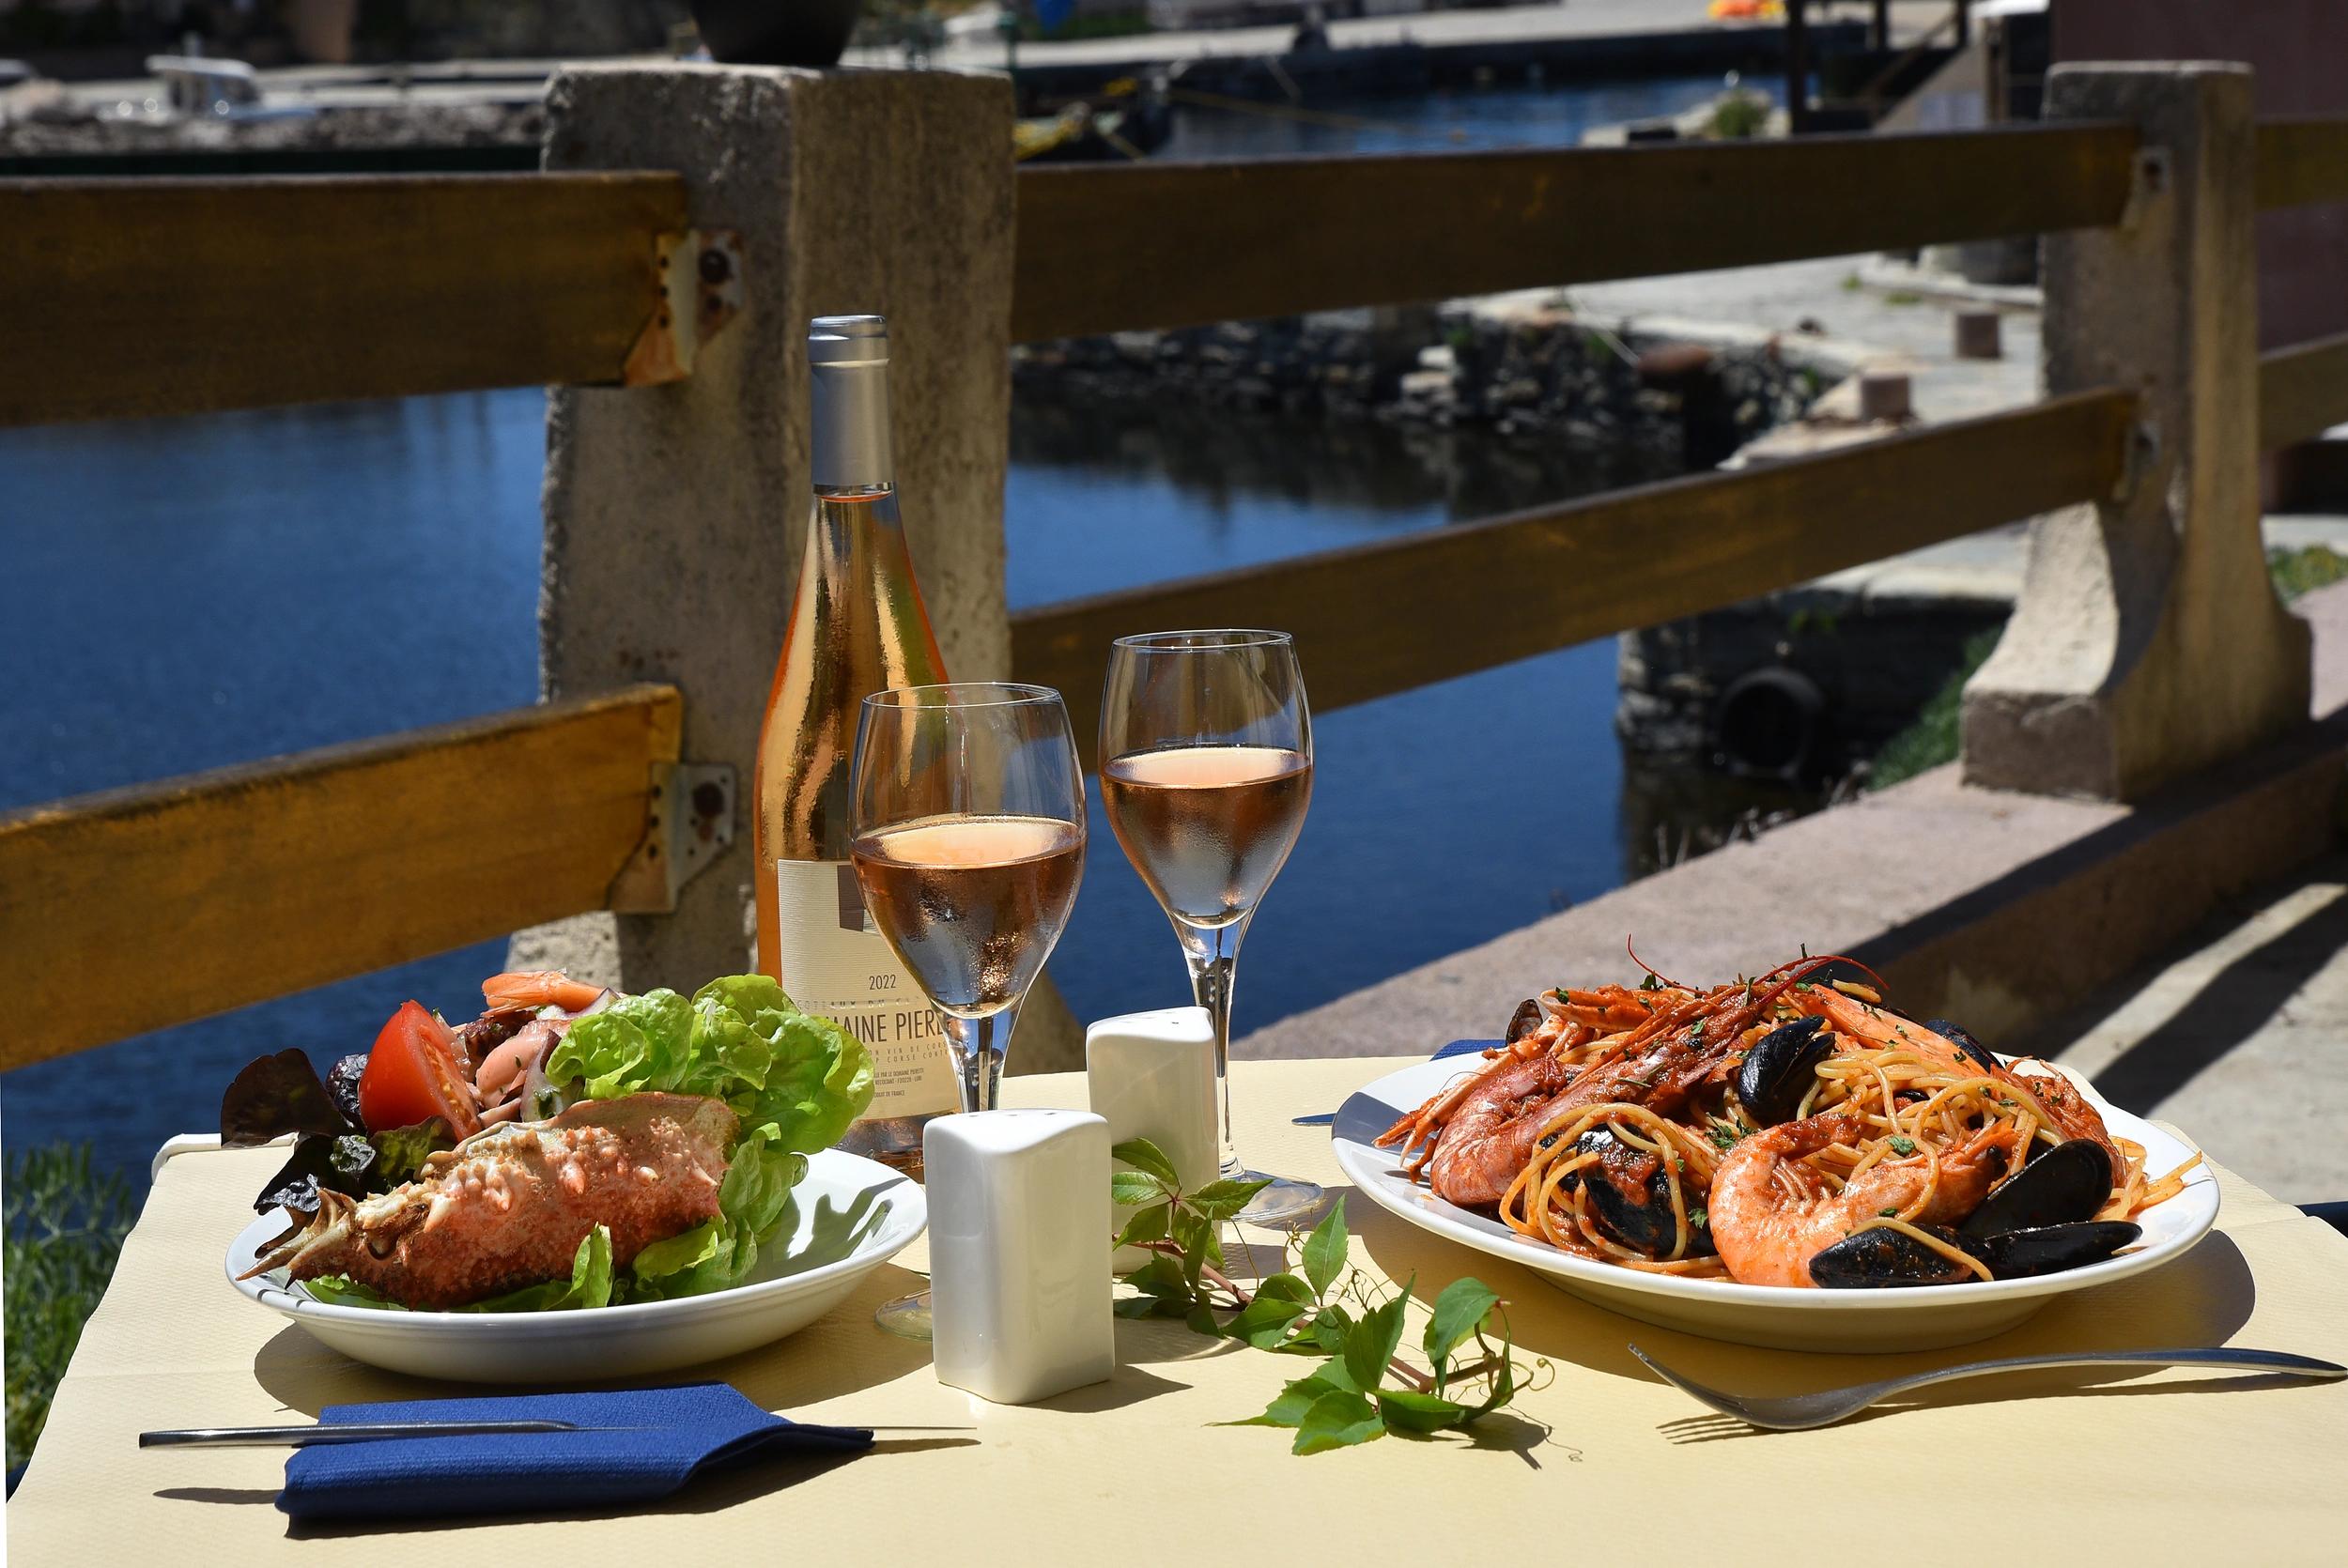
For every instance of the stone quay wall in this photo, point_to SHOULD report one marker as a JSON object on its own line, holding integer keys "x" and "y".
{"x": 1543, "y": 374}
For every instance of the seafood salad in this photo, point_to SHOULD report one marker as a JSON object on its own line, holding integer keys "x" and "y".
{"x": 1788, "y": 1130}
{"x": 569, "y": 1148}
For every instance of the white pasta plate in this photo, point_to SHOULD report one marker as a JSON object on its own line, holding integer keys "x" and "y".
{"x": 848, "y": 1216}
{"x": 1918, "y": 1318}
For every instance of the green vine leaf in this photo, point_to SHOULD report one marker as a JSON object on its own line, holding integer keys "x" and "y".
{"x": 1135, "y": 1186}
{"x": 1338, "y": 1419}
{"x": 1321, "y": 1309}
{"x": 1331, "y": 1328}
{"x": 1325, "y": 1250}
{"x": 1459, "y": 1310}
{"x": 1220, "y": 1199}
{"x": 1148, "y": 1224}
{"x": 1148, "y": 1159}
{"x": 1287, "y": 1287}
{"x": 1372, "y": 1342}
{"x": 1264, "y": 1321}
{"x": 1296, "y": 1399}
{"x": 1408, "y": 1410}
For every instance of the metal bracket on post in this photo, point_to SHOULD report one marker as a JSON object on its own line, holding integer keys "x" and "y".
{"x": 701, "y": 290}
{"x": 2141, "y": 459}
{"x": 2151, "y": 182}
{"x": 692, "y": 818}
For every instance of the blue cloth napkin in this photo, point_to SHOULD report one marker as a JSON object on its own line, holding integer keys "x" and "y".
{"x": 1462, "y": 1047}
{"x": 659, "y": 1438}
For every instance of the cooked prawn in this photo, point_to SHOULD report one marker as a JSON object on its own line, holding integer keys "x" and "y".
{"x": 1770, "y": 1214}
{"x": 1490, "y": 1133}
{"x": 539, "y": 987}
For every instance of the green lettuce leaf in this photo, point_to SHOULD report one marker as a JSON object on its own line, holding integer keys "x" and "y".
{"x": 796, "y": 1081}
{"x": 401, "y": 1151}
{"x": 721, "y": 1254}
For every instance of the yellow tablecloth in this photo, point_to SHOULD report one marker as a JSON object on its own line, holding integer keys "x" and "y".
{"x": 2165, "y": 1467}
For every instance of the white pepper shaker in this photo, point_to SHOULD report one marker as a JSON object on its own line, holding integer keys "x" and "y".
{"x": 1151, "y": 1075}
{"x": 1019, "y": 1205}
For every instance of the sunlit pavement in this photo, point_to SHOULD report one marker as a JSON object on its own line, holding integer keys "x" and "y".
{"x": 2239, "y": 1036}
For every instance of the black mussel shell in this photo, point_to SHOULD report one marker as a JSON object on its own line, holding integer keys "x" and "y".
{"x": 1962, "y": 1037}
{"x": 2070, "y": 1181}
{"x": 1776, "y": 1072}
{"x": 2050, "y": 1249}
{"x": 1527, "y": 1019}
{"x": 1883, "y": 1258}
{"x": 1629, "y": 1193}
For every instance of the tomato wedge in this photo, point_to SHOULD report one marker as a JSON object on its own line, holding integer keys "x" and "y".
{"x": 413, "y": 1075}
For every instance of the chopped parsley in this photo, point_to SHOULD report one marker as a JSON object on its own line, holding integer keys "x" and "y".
{"x": 1724, "y": 1135}
{"x": 1887, "y": 1213}
{"x": 1903, "y": 1143}
{"x": 1697, "y": 1219}
{"x": 1652, "y": 982}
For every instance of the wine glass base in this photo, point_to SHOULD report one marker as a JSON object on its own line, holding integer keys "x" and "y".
{"x": 1282, "y": 1202}
{"x": 907, "y": 1316}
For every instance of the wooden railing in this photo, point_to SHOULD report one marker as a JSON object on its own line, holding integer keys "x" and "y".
{"x": 131, "y": 298}
{"x": 1275, "y": 237}
{"x": 1478, "y": 594}
{"x": 139, "y": 908}
{"x": 142, "y": 907}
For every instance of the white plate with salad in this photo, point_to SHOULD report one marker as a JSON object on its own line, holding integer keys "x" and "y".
{"x": 575, "y": 1186}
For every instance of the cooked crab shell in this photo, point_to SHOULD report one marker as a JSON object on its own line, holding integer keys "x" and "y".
{"x": 510, "y": 1206}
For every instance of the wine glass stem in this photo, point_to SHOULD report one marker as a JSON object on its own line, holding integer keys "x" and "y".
{"x": 979, "y": 1046}
{"x": 1212, "y": 953}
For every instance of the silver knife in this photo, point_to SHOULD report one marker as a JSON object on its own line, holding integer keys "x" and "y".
{"x": 351, "y": 1432}
{"x": 366, "y": 1431}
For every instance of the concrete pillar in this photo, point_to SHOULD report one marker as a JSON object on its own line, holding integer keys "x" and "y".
{"x": 675, "y": 514}
{"x": 2147, "y": 641}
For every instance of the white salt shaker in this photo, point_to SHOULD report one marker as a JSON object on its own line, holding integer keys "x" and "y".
{"x": 1019, "y": 1205}
{"x": 1153, "y": 1076}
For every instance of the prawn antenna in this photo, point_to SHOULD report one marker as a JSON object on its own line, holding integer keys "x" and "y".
{"x": 1799, "y": 969}
{"x": 1660, "y": 978}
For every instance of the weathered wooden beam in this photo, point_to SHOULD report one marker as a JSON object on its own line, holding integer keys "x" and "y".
{"x": 1108, "y": 248}
{"x": 1377, "y": 619}
{"x": 2302, "y": 159}
{"x": 2303, "y": 390}
{"x": 128, "y": 298}
{"x": 137, "y": 908}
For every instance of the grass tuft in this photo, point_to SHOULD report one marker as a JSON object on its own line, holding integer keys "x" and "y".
{"x": 2312, "y": 566}
{"x": 64, "y": 1228}
{"x": 1930, "y": 738}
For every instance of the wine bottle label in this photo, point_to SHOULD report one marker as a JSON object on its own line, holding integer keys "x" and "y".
{"x": 836, "y": 964}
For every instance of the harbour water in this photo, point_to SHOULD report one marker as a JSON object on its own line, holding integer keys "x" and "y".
{"x": 194, "y": 593}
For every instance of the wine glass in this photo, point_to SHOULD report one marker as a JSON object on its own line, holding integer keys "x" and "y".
{"x": 968, "y": 829}
{"x": 1206, "y": 769}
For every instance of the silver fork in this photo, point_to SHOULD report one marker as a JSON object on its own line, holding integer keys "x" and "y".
{"x": 1802, "y": 1411}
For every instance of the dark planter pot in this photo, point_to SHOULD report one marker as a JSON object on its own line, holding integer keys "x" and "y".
{"x": 776, "y": 32}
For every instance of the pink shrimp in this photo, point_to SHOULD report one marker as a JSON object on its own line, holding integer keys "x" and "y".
{"x": 1770, "y": 1214}
{"x": 539, "y": 987}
